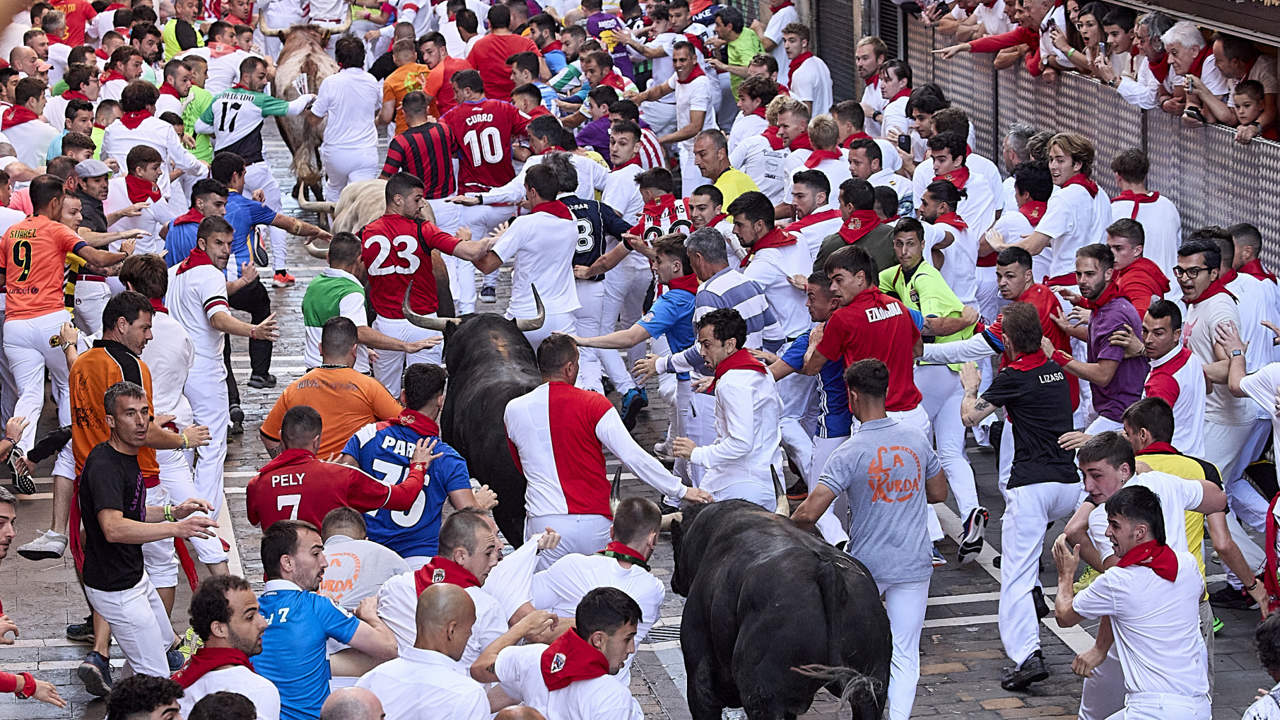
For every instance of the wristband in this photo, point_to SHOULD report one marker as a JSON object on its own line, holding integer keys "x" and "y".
{"x": 29, "y": 685}
{"x": 1062, "y": 357}
{"x": 1252, "y": 587}
{"x": 418, "y": 466}
{"x": 186, "y": 445}
{"x": 168, "y": 513}
{"x": 1071, "y": 51}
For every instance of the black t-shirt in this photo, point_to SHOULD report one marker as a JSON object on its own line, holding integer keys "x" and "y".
{"x": 382, "y": 68}
{"x": 92, "y": 215}
{"x": 1038, "y": 401}
{"x": 111, "y": 481}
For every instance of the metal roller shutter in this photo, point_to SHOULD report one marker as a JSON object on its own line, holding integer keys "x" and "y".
{"x": 835, "y": 40}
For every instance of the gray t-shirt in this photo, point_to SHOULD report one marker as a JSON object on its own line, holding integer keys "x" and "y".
{"x": 357, "y": 568}
{"x": 882, "y": 469}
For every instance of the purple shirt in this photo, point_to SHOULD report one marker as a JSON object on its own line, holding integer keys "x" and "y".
{"x": 595, "y": 135}
{"x": 602, "y": 26}
{"x": 1125, "y": 388}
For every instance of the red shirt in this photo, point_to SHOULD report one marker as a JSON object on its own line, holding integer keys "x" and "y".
{"x": 397, "y": 250}
{"x": 482, "y": 137}
{"x": 299, "y": 486}
{"x": 875, "y": 325}
{"x": 79, "y": 13}
{"x": 438, "y": 86}
{"x": 489, "y": 57}
{"x": 1140, "y": 282}
{"x": 1047, "y": 307}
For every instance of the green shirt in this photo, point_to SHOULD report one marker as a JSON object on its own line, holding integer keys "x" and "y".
{"x": 746, "y": 46}
{"x": 925, "y": 290}
{"x": 198, "y": 100}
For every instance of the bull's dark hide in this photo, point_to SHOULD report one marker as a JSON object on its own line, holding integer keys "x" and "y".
{"x": 765, "y": 598}
{"x": 490, "y": 362}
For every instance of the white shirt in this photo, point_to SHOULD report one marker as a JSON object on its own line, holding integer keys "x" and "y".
{"x": 992, "y": 17}
{"x": 1213, "y": 79}
{"x": 118, "y": 140}
{"x": 959, "y": 260}
{"x": 1012, "y": 225}
{"x": 1071, "y": 222}
{"x": 328, "y": 11}
{"x": 699, "y": 94}
{"x": 351, "y": 307}
{"x": 519, "y": 669}
{"x": 1142, "y": 89}
{"x": 169, "y": 355}
{"x": 764, "y": 165}
{"x": 398, "y": 603}
{"x": 984, "y": 192}
{"x": 895, "y": 117}
{"x": 1255, "y": 305}
{"x": 811, "y": 231}
{"x": 55, "y": 112}
{"x": 357, "y": 569}
{"x": 31, "y": 139}
{"x": 194, "y": 297}
{"x": 1162, "y": 230}
{"x": 748, "y": 414}
{"x": 237, "y": 679}
{"x": 1177, "y": 496}
{"x": 541, "y": 245}
{"x": 562, "y": 586}
{"x": 663, "y": 67}
{"x": 111, "y": 89}
{"x": 777, "y": 21}
{"x": 592, "y": 176}
{"x": 350, "y": 100}
{"x": 623, "y": 195}
{"x": 1261, "y": 388}
{"x": 153, "y": 217}
{"x": 425, "y": 685}
{"x": 1188, "y": 407}
{"x": 771, "y": 268}
{"x": 811, "y": 83}
{"x": 745, "y": 126}
{"x": 1198, "y": 323}
{"x": 1156, "y": 624}
{"x": 1265, "y": 708}
{"x": 224, "y": 71}
{"x": 168, "y": 103}
{"x": 837, "y": 171}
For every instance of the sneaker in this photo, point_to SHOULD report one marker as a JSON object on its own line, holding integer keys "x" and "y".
{"x": 1232, "y": 599}
{"x": 633, "y": 402}
{"x": 262, "y": 381}
{"x": 488, "y": 294}
{"x": 49, "y": 546}
{"x": 995, "y": 562}
{"x": 95, "y": 673}
{"x": 237, "y": 428}
{"x": 1037, "y": 599}
{"x": 1218, "y": 625}
{"x": 237, "y": 415}
{"x": 971, "y": 541}
{"x": 82, "y": 631}
{"x": 1030, "y": 671}
{"x": 282, "y": 279}
{"x": 48, "y": 445}
{"x": 938, "y": 559}
{"x": 21, "y": 475}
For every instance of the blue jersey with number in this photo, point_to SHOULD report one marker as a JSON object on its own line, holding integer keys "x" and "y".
{"x": 294, "y": 655}
{"x": 383, "y": 450}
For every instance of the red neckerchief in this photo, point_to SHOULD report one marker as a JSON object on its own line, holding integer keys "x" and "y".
{"x": 664, "y": 204}
{"x": 696, "y": 41}
{"x": 132, "y": 120}
{"x": 813, "y": 218}
{"x": 817, "y": 156}
{"x": 570, "y": 659}
{"x": 219, "y": 49}
{"x": 102, "y": 53}
{"x": 197, "y": 258}
{"x": 716, "y": 220}
{"x": 552, "y": 46}
{"x": 113, "y": 75}
{"x": 16, "y": 115}
{"x": 801, "y": 142}
{"x": 158, "y": 305}
{"x": 191, "y": 216}
{"x": 951, "y": 219}
{"x": 417, "y": 422}
{"x": 619, "y": 551}
{"x": 615, "y": 81}
{"x": 1160, "y": 68}
{"x": 760, "y": 111}
{"x": 855, "y": 136}
{"x": 688, "y": 283}
{"x": 694, "y": 74}
{"x": 554, "y": 208}
{"x": 1084, "y": 182}
{"x": 75, "y": 95}
{"x": 1161, "y": 559}
{"x": 206, "y": 660}
{"x": 1159, "y": 447}
{"x": 443, "y": 570}
{"x": 957, "y": 177}
{"x": 904, "y": 92}
{"x": 1029, "y": 361}
{"x": 773, "y": 239}
{"x": 1146, "y": 275}
{"x": 167, "y": 89}
{"x": 1197, "y": 65}
{"x": 139, "y": 189}
{"x": 635, "y": 160}
{"x": 1138, "y": 200}
{"x": 1033, "y": 211}
{"x": 780, "y": 6}
{"x": 1109, "y": 293}
{"x": 775, "y": 140}
{"x": 860, "y": 223}
{"x": 740, "y": 360}
{"x": 1254, "y": 268}
{"x": 797, "y": 62}
{"x": 1215, "y": 287}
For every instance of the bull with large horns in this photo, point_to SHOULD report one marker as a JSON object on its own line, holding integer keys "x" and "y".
{"x": 490, "y": 362}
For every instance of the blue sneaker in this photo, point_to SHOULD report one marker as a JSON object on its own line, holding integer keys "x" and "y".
{"x": 95, "y": 673}
{"x": 633, "y": 402}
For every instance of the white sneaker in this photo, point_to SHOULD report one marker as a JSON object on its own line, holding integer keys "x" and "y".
{"x": 49, "y": 546}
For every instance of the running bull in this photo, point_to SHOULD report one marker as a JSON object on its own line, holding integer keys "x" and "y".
{"x": 774, "y": 614}
{"x": 490, "y": 362}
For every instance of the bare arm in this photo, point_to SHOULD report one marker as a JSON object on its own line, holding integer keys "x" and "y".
{"x": 617, "y": 340}
{"x": 820, "y": 498}
{"x": 688, "y": 131}
{"x": 1232, "y": 557}
{"x": 482, "y": 670}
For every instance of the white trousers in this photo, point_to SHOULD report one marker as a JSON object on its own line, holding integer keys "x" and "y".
{"x": 1161, "y": 706}
{"x": 1102, "y": 424}
{"x": 91, "y": 299}
{"x": 1231, "y": 448}
{"x": 462, "y": 274}
{"x": 796, "y": 392}
{"x": 390, "y": 365}
{"x": 701, "y": 430}
{"x": 582, "y": 534}
{"x": 690, "y": 176}
{"x": 942, "y": 393}
{"x": 832, "y": 522}
{"x": 159, "y": 558}
{"x": 905, "y": 604}
{"x": 1006, "y": 458}
{"x": 554, "y": 323}
{"x": 482, "y": 219}
{"x": 139, "y": 625}
{"x": 346, "y": 165}
{"x": 258, "y": 177}
{"x": 26, "y": 346}
{"x": 624, "y": 290}
{"x": 587, "y": 320}
{"x": 1029, "y": 509}
{"x": 178, "y": 481}
{"x": 206, "y": 389}
{"x": 8, "y": 387}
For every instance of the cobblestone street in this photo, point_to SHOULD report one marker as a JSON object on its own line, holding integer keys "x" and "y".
{"x": 961, "y": 650}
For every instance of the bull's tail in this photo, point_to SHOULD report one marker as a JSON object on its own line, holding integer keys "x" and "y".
{"x": 835, "y": 599}
{"x": 857, "y": 689}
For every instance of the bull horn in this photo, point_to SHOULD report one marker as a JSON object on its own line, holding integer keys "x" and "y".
{"x": 784, "y": 507}
{"x": 534, "y": 323}
{"x": 345, "y": 26}
{"x": 317, "y": 252}
{"x": 318, "y": 207}
{"x": 424, "y": 321}
{"x": 262, "y": 25}
{"x": 615, "y": 492}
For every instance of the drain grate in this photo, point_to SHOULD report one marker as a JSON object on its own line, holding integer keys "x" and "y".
{"x": 666, "y": 633}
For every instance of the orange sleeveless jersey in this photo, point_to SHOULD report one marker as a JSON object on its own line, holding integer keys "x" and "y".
{"x": 33, "y": 255}
{"x": 96, "y": 370}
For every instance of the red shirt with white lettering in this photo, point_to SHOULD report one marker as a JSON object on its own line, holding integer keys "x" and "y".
{"x": 875, "y": 325}
{"x": 397, "y": 250}
{"x": 79, "y": 13}
{"x": 482, "y": 134}
{"x": 297, "y": 485}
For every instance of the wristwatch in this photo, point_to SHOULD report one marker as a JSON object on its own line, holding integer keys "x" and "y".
{"x": 1237, "y": 353}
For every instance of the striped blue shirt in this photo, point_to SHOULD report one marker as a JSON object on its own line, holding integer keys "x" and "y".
{"x": 726, "y": 289}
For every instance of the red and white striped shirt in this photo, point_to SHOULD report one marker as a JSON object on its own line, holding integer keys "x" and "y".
{"x": 650, "y": 150}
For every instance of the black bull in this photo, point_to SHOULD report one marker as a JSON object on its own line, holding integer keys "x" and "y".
{"x": 490, "y": 362}
{"x": 773, "y": 614}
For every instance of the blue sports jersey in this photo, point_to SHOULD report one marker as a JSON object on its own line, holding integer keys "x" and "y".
{"x": 835, "y": 419}
{"x": 383, "y": 450}
{"x": 672, "y": 316}
{"x": 244, "y": 215}
{"x": 294, "y": 655}
{"x": 179, "y": 242}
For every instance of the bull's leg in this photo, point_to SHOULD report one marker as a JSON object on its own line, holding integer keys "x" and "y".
{"x": 699, "y": 662}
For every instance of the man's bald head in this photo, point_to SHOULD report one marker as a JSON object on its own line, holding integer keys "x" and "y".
{"x": 352, "y": 704}
{"x": 444, "y": 617}
{"x": 519, "y": 712}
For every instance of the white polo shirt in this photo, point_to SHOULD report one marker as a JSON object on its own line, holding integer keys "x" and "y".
{"x": 811, "y": 83}
{"x": 836, "y": 170}
{"x": 984, "y": 192}
{"x": 1071, "y": 222}
{"x": 237, "y": 679}
{"x": 744, "y": 126}
{"x": 699, "y": 93}
{"x": 519, "y": 669}
{"x": 1162, "y": 230}
{"x": 542, "y": 246}
{"x": 813, "y": 228}
{"x": 960, "y": 261}
{"x": 194, "y": 297}
{"x": 772, "y": 269}
{"x": 622, "y": 194}
{"x": 349, "y": 100}
{"x": 398, "y": 604}
{"x": 426, "y": 685}
{"x": 224, "y": 71}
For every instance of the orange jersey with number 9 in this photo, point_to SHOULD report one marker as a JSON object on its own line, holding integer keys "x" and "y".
{"x": 33, "y": 255}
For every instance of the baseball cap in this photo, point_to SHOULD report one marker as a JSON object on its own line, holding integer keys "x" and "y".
{"x": 42, "y": 66}
{"x": 92, "y": 168}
